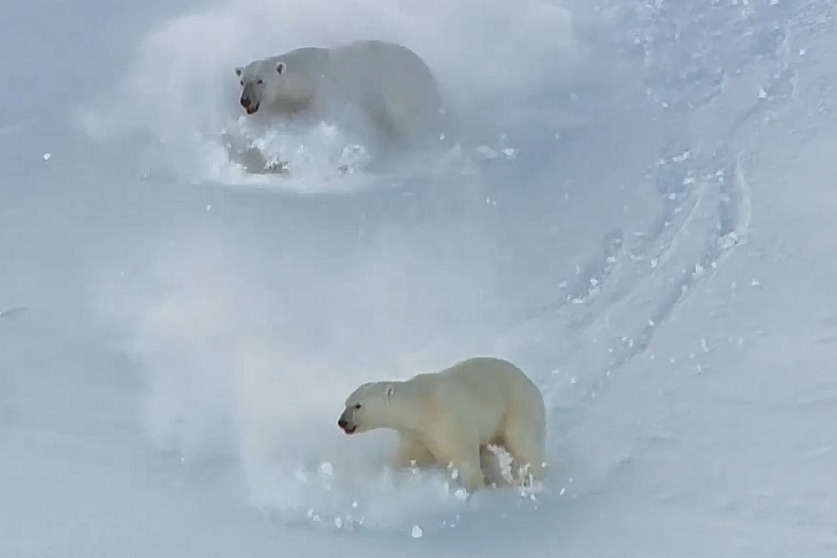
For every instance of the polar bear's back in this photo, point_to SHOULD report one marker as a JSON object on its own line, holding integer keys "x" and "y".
{"x": 378, "y": 74}
{"x": 390, "y": 66}
{"x": 491, "y": 390}
{"x": 494, "y": 375}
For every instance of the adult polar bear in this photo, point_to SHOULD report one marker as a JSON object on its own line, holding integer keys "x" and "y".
{"x": 387, "y": 86}
{"x": 450, "y": 417}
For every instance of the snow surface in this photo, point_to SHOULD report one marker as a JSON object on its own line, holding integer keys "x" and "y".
{"x": 641, "y": 216}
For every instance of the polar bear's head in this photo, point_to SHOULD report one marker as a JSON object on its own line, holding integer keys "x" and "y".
{"x": 369, "y": 407}
{"x": 272, "y": 82}
{"x": 258, "y": 82}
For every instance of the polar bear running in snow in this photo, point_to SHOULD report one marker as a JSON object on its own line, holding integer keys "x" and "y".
{"x": 380, "y": 86}
{"x": 450, "y": 417}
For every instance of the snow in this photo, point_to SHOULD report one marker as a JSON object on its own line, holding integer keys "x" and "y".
{"x": 177, "y": 337}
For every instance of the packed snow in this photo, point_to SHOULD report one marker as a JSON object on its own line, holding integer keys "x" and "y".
{"x": 639, "y": 214}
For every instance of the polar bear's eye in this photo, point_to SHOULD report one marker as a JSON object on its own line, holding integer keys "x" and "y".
{"x": 357, "y": 406}
{"x": 260, "y": 82}
{"x": 241, "y": 82}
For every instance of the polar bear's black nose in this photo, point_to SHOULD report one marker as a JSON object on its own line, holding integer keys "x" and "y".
{"x": 245, "y": 102}
{"x": 342, "y": 423}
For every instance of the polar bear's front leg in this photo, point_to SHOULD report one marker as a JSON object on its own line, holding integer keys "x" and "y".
{"x": 413, "y": 453}
{"x": 470, "y": 474}
{"x": 460, "y": 454}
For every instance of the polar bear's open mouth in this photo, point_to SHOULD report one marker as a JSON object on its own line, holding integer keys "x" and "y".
{"x": 251, "y": 109}
{"x": 350, "y": 429}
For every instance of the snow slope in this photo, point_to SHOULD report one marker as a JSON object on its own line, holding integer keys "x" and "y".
{"x": 651, "y": 242}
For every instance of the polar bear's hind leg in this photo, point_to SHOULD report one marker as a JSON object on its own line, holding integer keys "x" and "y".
{"x": 525, "y": 442}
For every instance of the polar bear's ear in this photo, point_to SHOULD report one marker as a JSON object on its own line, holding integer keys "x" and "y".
{"x": 239, "y": 70}
{"x": 280, "y": 68}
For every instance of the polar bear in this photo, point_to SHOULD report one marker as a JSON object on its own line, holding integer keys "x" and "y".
{"x": 450, "y": 417}
{"x": 384, "y": 87}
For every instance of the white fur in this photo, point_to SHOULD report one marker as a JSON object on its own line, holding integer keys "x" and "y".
{"x": 450, "y": 417}
{"x": 388, "y": 87}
